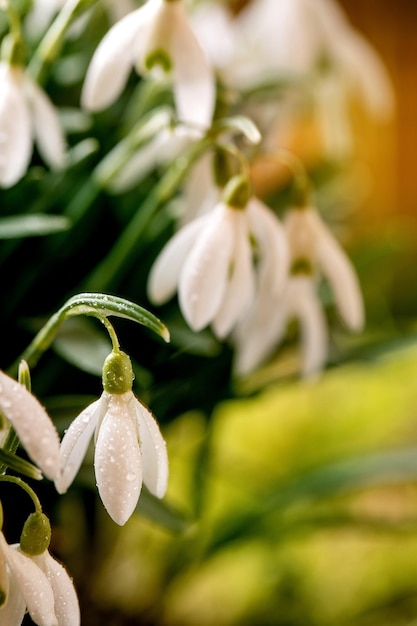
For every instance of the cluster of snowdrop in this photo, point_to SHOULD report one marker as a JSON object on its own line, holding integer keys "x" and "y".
{"x": 237, "y": 267}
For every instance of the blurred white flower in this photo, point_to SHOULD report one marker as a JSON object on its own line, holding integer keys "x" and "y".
{"x": 32, "y": 424}
{"x": 156, "y": 36}
{"x": 314, "y": 253}
{"x": 26, "y": 114}
{"x": 129, "y": 448}
{"x": 212, "y": 263}
{"x": 25, "y": 587}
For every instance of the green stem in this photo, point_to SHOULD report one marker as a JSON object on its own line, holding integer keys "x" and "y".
{"x": 50, "y": 46}
{"x": 21, "y": 483}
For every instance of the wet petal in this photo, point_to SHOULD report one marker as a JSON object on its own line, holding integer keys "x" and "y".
{"x": 154, "y": 453}
{"x": 33, "y": 585}
{"x": 27, "y": 417}
{"x": 15, "y": 127}
{"x": 12, "y": 613}
{"x": 203, "y": 278}
{"x": 67, "y": 609}
{"x": 75, "y": 443}
{"x": 164, "y": 274}
{"x": 117, "y": 460}
{"x": 241, "y": 286}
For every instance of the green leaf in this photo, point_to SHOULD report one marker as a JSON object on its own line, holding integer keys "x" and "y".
{"x": 161, "y": 512}
{"x": 19, "y": 465}
{"x": 80, "y": 343}
{"x": 334, "y": 479}
{"x": 105, "y": 305}
{"x": 34, "y": 225}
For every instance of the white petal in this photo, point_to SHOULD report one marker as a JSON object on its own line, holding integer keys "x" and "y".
{"x": 13, "y": 612}
{"x": 75, "y": 442}
{"x": 203, "y": 278}
{"x": 154, "y": 453}
{"x": 32, "y": 424}
{"x": 46, "y": 125}
{"x": 259, "y": 333}
{"x": 117, "y": 460}
{"x": 67, "y": 609}
{"x": 338, "y": 269}
{"x": 274, "y": 251}
{"x": 33, "y": 585}
{"x": 164, "y": 274}
{"x": 194, "y": 81}
{"x": 112, "y": 61}
{"x": 15, "y": 127}
{"x": 241, "y": 286}
{"x": 305, "y": 306}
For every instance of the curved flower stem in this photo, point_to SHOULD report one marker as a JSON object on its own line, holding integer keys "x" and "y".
{"x": 21, "y": 483}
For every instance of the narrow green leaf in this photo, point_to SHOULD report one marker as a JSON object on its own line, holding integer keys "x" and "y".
{"x": 161, "y": 512}
{"x": 19, "y": 465}
{"x": 105, "y": 305}
{"x": 34, "y": 225}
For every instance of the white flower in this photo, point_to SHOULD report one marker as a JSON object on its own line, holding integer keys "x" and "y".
{"x": 155, "y": 35}
{"x": 314, "y": 253}
{"x": 129, "y": 448}
{"x": 66, "y": 606}
{"x": 211, "y": 261}
{"x": 26, "y": 114}
{"x": 32, "y": 424}
{"x": 26, "y": 587}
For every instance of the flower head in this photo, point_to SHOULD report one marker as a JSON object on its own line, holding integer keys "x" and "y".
{"x": 26, "y": 113}
{"x": 129, "y": 447}
{"x": 32, "y": 424}
{"x": 155, "y": 36}
{"x": 212, "y": 263}
{"x": 314, "y": 253}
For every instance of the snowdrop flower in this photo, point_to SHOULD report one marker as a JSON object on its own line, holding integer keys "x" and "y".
{"x": 314, "y": 253}
{"x": 211, "y": 261}
{"x": 33, "y": 426}
{"x": 25, "y": 587}
{"x": 155, "y": 36}
{"x": 26, "y": 113}
{"x": 129, "y": 447}
{"x": 33, "y": 580}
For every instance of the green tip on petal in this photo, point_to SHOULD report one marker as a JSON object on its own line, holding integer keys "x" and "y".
{"x": 301, "y": 266}
{"x": 36, "y": 534}
{"x": 158, "y": 57}
{"x": 237, "y": 192}
{"x": 3, "y": 597}
{"x": 117, "y": 373}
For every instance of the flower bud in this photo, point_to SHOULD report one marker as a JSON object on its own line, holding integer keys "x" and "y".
{"x": 117, "y": 373}
{"x": 36, "y": 534}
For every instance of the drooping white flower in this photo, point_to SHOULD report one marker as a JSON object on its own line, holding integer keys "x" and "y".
{"x": 155, "y": 36}
{"x": 66, "y": 606}
{"x": 32, "y": 424}
{"x": 27, "y": 588}
{"x": 129, "y": 449}
{"x": 314, "y": 253}
{"x": 211, "y": 263}
{"x": 26, "y": 115}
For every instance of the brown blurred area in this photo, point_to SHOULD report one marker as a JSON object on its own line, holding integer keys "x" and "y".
{"x": 391, "y": 150}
